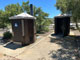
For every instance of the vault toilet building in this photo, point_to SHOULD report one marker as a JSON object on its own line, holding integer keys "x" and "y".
{"x": 23, "y": 26}
{"x": 62, "y": 25}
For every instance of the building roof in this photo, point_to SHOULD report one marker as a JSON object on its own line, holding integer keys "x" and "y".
{"x": 63, "y": 15}
{"x": 22, "y": 16}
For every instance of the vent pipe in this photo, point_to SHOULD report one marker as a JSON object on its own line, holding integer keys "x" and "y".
{"x": 31, "y": 9}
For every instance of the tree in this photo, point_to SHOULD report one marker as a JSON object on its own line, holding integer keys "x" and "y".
{"x": 2, "y": 19}
{"x": 10, "y": 10}
{"x": 26, "y": 7}
{"x": 14, "y": 9}
{"x": 41, "y": 20}
{"x": 71, "y": 7}
{"x": 39, "y": 14}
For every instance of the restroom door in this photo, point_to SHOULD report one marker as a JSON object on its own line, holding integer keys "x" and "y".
{"x": 17, "y": 30}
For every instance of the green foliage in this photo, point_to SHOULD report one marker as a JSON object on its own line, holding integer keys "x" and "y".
{"x": 10, "y": 10}
{"x": 2, "y": 25}
{"x": 14, "y": 9}
{"x": 46, "y": 29}
{"x": 39, "y": 14}
{"x": 26, "y": 7}
{"x": 71, "y": 7}
{"x": 7, "y": 35}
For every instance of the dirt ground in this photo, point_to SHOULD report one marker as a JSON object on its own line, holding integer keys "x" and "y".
{"x": 6, "y": 57}
{"x": 52, "y": 48}
{"x": 47, "y": 48}
{"x": 1, "y": 55}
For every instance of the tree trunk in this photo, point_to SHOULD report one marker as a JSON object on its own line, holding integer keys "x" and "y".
{"x": 77, "y": 26}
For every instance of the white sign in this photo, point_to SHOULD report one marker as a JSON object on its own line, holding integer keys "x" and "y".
{"x": 16, "y": 25}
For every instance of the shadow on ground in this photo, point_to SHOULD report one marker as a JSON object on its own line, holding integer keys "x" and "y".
{"x": 13, "y": 46}
{"x": 69, "y": 50}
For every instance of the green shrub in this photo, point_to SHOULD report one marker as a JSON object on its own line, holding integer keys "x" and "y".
{"x": 46, "y": 29}
{"x": 43, "y": 29}
{"x": 7, "y": 35}
{"x": 2, "y": 26}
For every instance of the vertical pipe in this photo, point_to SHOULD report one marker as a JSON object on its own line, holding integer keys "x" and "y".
{"x": 31, "y": 9}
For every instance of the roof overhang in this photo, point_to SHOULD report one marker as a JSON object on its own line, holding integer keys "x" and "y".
{"x": 22, "y": 16}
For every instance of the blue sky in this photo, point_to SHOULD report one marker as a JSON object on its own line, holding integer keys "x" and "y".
{"x": 46, "y": 5}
